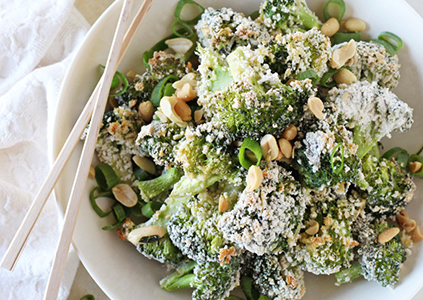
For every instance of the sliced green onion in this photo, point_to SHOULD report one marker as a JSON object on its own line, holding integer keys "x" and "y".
{"x": 136, "y": 211}
{"x": 87, "y": 297}
{"x": 309, "y": 74}
{"x": 141, "y": 175}
{"x": 402, "y": 159}
{"x": 254, "y": 147}
{"x": 149, "y": 209}
{"x": 247, "y": 287}
{"x": 413, "y": 158}
{"x": 340, "y": 4}
{"x": 169, "y": 90}
{"x": 158, "y": 90}
{"x": 189, "y": 31}
{"x": 389, "y": 37}
{"x": 388, "y": 46}
{"x": 420, "y": 151}
{"x": 117, "y": 79}
{"x": 332, "y": 156}
{"x": 105, "y": 176}
{"x": 179, "y": 8}
{"x": 341, "y": 37}
{"x": 328, "y": 75}
{"x": 94, "y": 194}
{"x": 254, "y": 15}
{"x": 393, "y": 152}
{"x": 120, "y": 215}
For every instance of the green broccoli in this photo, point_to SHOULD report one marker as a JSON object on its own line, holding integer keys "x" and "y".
{"x": 274, "y": 277}
{"x": 153, "y": 187}
{"x": 193, "y": 229}
{"x": 199, "y": 157}
{"x": 160, "y": 66}
{"x": 269, "y": 219}
{"x": 376, "y": 261}
{"x": 373, "y": 63}
{"x": 223, "y": 30}
{"x": 326, "y": 156}
{"x": 116, "y": 141}
{"x": 211, "y": 280}
{"x": 286, "y": 14}
{"x": 298, "y": 52}
{"x": 159, "y": 140}
{"x": 326, "y": 245}
{"x": 388, "y": 187}
{"x": 371, "y": 111}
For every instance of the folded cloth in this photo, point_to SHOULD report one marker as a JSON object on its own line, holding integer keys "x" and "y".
{"x": 37, "y": 42}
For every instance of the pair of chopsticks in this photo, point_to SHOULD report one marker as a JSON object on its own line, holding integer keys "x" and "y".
{"x": 93, "y": 110}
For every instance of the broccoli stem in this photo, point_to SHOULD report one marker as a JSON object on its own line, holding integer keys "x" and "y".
{"x": 153, "y": 187}
{"x": 180, "y": 279}
{"x": 348, "y": 275}
{"x": 192, "y": 186}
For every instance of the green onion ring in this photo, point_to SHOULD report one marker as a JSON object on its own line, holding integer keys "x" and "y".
{"x": 149, "y": 209}
{"x": 388, "y": 36}
{"x": 392, "y": 152}
{"x": 117, "y": 79}
{"x": 157, "y": 93}
{"x": 254, "y": 147}
{"x": 185, "y": 26}
{"x": 105, "y": 176}
{"x": 180, "y": 6}
{"x": 169, "y": 90}
{"x": 388, "y": 46}
{"x": 93, "y": 198}
{"x": 341, "y": 5}
{"x": 87, "y": 297}
{"x": 338, "y": 170}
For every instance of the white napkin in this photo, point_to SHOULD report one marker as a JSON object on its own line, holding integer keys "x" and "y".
{"x": 37, "y": 42}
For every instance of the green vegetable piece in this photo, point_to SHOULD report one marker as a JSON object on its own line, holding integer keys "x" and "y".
{"x": 87, "y": 297}
{"x": 340, "y": 4}
{"x": 332, "y": 157}
{"x": 117, "y": 79}
{"x": 105, "y": 176}
{"x": 169, "y": 90}
{"x": 349, "y": 274}
{"x": 153, "y": 187}
{"x": 341, "y": 37}
{"x": 179, "y": 8}
{"x": 254, "y": 147}
{"x": 158, "y": 91}
{"x": 309, "y": 74}
{"x": 247, "y": 287}
{"x": 141, "y": 175}
{"x": 182, "y": 278}
{"x": 150, "y": 208}
{"x": 389, "y": 37}
{"x": 93, "y": 198}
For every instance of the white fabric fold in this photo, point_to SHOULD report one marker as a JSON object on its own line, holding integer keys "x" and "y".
{"x": 37, "y": 40}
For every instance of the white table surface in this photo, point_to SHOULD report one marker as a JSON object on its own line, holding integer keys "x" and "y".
{"x": 84, "y": 284}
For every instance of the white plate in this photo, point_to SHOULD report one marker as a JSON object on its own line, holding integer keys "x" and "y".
{"x": 116, "y": 266}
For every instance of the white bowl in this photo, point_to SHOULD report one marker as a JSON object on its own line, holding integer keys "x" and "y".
{"x": 117, "y": 267}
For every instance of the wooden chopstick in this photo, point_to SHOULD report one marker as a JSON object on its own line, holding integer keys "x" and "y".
{"x": 71, "y": 214}
{"x": 18, "y": 242}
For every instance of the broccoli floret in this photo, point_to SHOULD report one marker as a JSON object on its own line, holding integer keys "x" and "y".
{"x": 286, "y": 14}
{"x": 161, "y": 65}
{"x": 159, "y": 140}
{"x": 211, "y": 280}
{"x": 331, "y": 248}
{"x": 116, "y": 141}
{"x": 389, "y": 188}
{"x": 373, "y": 63}
{"x": 376, "y": 261}
{"x": 371, "y": 111}
{"x": 298, "y": 52}
{"x": 199, "y": 157}
{"x": 274, "y": 277}
{"x": 193, "y": 229}
{"x": 243, "y": 110}
{"x": 223, "y": 30}
{"x": 326, "y": 156}
{"x": 267, "y": 220}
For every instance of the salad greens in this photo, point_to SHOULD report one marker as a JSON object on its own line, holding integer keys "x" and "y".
{"x": 253, "y": 164}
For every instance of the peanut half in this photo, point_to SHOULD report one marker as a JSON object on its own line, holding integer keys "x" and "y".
{"x": 254, "y": 178}
{"x": 330, "y": 27}
{"x": 313, "y": 228}
{"x": 125, "y": 195}
{"x": 388, "y": 235}
{"x": 269, "y": 147}
{"x": 355, "y": 25}
{"x": 342, "y": 55}
{"x": 290, "y": 132}
{"x": 286, "y": 147}
{"x": 316, "y": 107}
